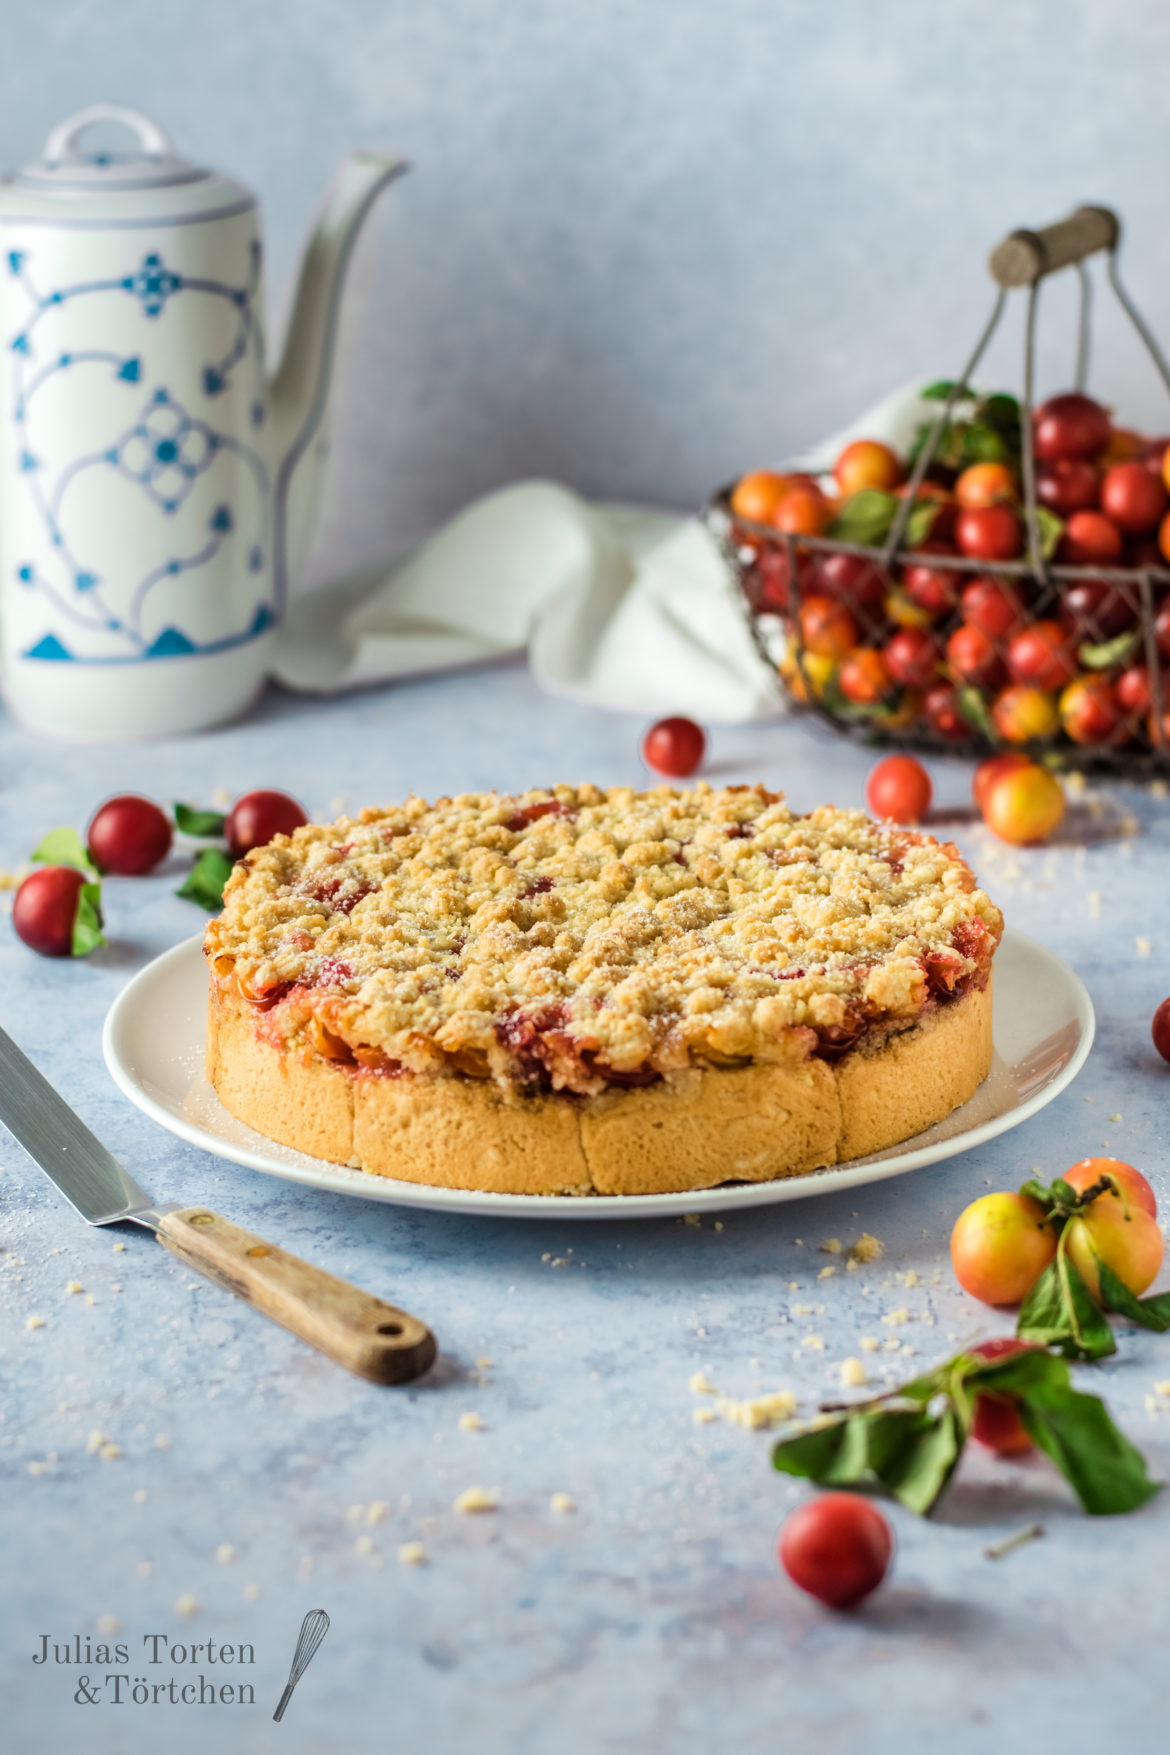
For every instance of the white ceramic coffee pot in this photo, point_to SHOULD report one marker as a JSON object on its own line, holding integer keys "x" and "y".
{"x": 156, "y": 486}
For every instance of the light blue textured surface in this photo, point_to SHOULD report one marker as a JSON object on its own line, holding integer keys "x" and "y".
{"x": 654, "y": 1618}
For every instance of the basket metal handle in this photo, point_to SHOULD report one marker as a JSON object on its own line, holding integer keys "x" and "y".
{"x": 1024, "y": 257}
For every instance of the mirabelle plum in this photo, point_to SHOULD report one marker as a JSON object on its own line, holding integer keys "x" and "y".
{"x": 1129, "y": 1184}
{"x": 899, "y": 788}
{"x": 756, "y": 496}
{"x": 1024, "y": 806}
{"x": 997, "y": 1422}
{"x": 837, "y": 1547}
{"x": 1022, "y": 714}
{"x": 1000, "y": 1246}
{"x": 867, "y": 463}
{"x": 1128, "y": 1242}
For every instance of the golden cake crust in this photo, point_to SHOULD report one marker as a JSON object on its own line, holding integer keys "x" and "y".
{"x": 578, "y": 991}
{"x": 711, "y": 1125}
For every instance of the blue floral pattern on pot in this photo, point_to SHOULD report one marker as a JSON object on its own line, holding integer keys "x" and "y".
{"x": 203, "y": 490}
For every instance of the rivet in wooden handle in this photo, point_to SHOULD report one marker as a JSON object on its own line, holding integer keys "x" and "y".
{"x": 374, "y": 1339}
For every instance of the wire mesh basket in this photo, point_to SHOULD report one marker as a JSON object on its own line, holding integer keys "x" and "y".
{"x": 829, "y": 615}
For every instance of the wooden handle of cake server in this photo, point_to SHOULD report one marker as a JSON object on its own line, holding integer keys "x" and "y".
{"x": 361, "y": 1332}
{"x": 1025, "y": 257}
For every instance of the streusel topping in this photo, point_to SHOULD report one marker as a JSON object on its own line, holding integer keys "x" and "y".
{"x": 579, "y": 938}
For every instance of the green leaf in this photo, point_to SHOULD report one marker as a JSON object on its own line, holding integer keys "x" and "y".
{"x": 1003, "y": 411}
{"x": 921, "y": 521}
{"x": 1051, "y": 529}
{"x": 849, "y": 1447}
{"x": 204, "y": 824}
{"x": 1152, "y": 1313}
{"x": 983, "y": 444}
{"x": 207, "y": 877}
{"x": 918, "y": 1472}
{"x": 1107, "y": 653}
{"x": 87, "y": 922}
{"x": 1060, "y": 1311}
{"x": 65, "y": 847}
{"x": 975, "y": 711}
{"x": 1104, "y": 1469}
{"x": 941, "y": 389}
{"x": 865, "y": 518}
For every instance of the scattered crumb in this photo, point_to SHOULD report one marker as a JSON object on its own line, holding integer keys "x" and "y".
{"x": 702, "y": 1416}
{"x": 1151, "y": 1401}
{"x": 1163, "y": 1388}
{"x": 37, "y": 1468}
{"x": 94, "y": 1442}
{"x": 851, "y": 1264}
{"x": 34, "y": 1322}
{"x": 700, "y": 1385}
{"x": 852, "y": 1373}
{"x": 800, "y": 1310}
{"x": 1157, "y": 789}
{"x": 140, "y": 1496}
{"x": 1074, "y": 783}
{"x": 89, "y": 1298}
{"x": 74, "y": 1286}
{"x": 870, "y": 1343}
{"x": 813, "y": 1341}
{"x": 484, "y": 1364}
{"x": 364, "y": 1545}
{"x": 115, "y": 1287}
{"x": 1143, "y": 946}
{"x": 867, "y": 1248}
{"x": 111, "y": 1452}
{"x": 251, "y": 1593}
{"x": 377, "y": 1512}
{"x": 470, "y": 1423}
{"x": 225, "y": 1554}
{"x": 892, "y": 1345}
{"x": 221, "y": 798}
{"x": 827, "y": 1273}
{"x": 909, "y": 1278}
{"x": 758, "y": 1410}
{"x": 162, "y": 1442}
{"x": 118, "y": 1248}
{"x": 719, "y": 1224}
{"x": 1093, "y": 900}
{"x": 562, "y": 1504}
{"x": 477, "y": 1499}
{"x": 355, "y": 1513}
{"x": 186, "y": 1606}
{"x": 412, "y": 1554}
{"x": 109, "y": 1624}
{"x": 896, "y": 1318}
{"x": 144, "y": 1568}
{"x": 692, "y": 1219}
{"x": 831, "y": 1246}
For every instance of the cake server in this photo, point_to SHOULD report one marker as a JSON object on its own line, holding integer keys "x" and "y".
{"x": 359, "y": 1331}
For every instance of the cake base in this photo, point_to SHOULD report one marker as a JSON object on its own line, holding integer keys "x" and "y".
{"x": 751, "y": 1124}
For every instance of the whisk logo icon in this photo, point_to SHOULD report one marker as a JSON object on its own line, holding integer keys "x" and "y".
{"x": 314, "y": 1627}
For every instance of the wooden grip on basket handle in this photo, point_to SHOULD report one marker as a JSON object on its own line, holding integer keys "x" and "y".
{"x": 1026, "y": 257}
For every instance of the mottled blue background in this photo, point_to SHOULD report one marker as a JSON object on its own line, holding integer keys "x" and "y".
{"x": 645, "y": 244}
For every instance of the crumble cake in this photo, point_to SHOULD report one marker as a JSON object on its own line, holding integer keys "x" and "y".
{"x": 583, "y": 991}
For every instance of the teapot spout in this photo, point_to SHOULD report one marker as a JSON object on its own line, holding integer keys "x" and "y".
{"x": 300, "y": 389}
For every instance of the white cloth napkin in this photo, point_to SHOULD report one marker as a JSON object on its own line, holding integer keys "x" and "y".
{"x": 621, "y": 606}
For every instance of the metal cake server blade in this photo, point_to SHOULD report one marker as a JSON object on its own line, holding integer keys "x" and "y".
{"x": 368, "y": 1336}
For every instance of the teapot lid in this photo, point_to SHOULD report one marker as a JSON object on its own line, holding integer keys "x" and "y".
{"x": 67, "y": 169}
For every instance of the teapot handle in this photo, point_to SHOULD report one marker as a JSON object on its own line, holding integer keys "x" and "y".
{"x": 62, "y": 142}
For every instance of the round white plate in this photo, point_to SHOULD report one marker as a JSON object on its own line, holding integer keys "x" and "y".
{"x": 154, "y": 1035}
